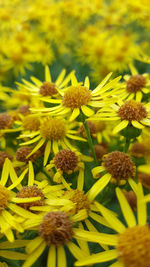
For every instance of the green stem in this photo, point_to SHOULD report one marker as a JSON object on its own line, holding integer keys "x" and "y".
{"x": 90, "y": 142}
{"x": 127, "y": 143}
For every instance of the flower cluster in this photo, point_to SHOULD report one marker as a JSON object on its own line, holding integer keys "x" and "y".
{"x": 74, "y": 138}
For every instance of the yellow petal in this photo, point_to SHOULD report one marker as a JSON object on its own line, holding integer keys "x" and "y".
{"x": 61, "y": 257}
{"x": 126, "y": 209}
{"x": 123, "y": 124}
{"x": 98, "y": 186}
{"x": 98, "y": 257}
{"x": 51, "y": 260}
{"x": 111, "y": 219}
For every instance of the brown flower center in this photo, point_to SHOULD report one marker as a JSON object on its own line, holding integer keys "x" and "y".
{"x": 22, "y": 153}
{"x": 92, "y": 128}
{"x": 48, "y": 89}
{"x": 131, "y": 198}
{"x": 30, "y": 191}
{"x": 119, "y": 165}
{"x": 135, "y": 83}
{"x": 5, "y": 120}
{"x": 133, "y": 246}
{"x": 56, "y": 228}
{"x": 80, "y": 199}
{"x": 66, "y": 160}
{"x": 76, "y": 96}
{"x": 131, "y": 110}
{"x": 53, "y": 128}
{"x": 144, "y": 178}
{"x": 24, "y": 109}
{"x": 138, "y": 150}
{"x": 3, "y": 156}
{"x": 31, "y": 123}
{"x": 4, "y": 197}
{"x": 100, "y": 151}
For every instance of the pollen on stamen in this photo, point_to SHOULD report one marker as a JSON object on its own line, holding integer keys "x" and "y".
{"x": 135, "y": 83}
{"x": 30, "y": 191}
{"x": 66, "y": 160}
{"x": 133, "y": 246}
{"x": 5, "y": 120}
{"x": 48, "y": 89}
{"x": 119, "y": 165}
{"x": 56, "y": 228}
{"x": 132, "y": 110}
{"x": 53, "y": 128}
{"x": 76, "y": 96}
{"x": 31, "y": 123}
{"x": 4, "y": 197}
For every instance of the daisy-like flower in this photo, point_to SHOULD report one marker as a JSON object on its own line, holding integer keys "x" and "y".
{"x": 68, "y": 161}
{"x": 128, "y": 113}
{"x": 54, "y": 132}
{"x": 136, "y": 85}
{"x": 131, "y": 243}
{"x": 118, "y": 167}
{"x": 56, "y": 231}
{"x": 40, "y": 196}
{"x": 78, "y": 98}
{"x": 48, "y": 89}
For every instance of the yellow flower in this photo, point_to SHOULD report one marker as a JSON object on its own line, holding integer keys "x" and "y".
{"x": 136, "y": 85}
{"x": 118, "y": 167}
{"x": 54, "y": 132}
{"x": 128, "y": 113}
{"x": 68, "y": 161}
{"x": 56, "y": 230}
{"x": 131, "y": 243}
{"x": 48, "y": 89}
{"x": 77, "y": 98}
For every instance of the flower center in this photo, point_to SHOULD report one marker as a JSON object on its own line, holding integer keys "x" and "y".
{"x": 131, "y": 110}
{"x": 119, "y": 165}
{"x": 22, "y": 153}
{"x": 31, "y": 123}
{"x": 100, "y": 126}
{"x": 133, "y": 246}
{"x": 76, "y": 96}
{"x": 135, "y": 83}
{"x": 48, "y": 89}
{"x": 30, "y": 191}
{"x": 138, "y": 150}
{"x": 5, "y": 121}
{"x": 80, "y": 199}
{"x": 52, "y": 128}
{"x": 3, "y": 156}
{"x": 92, "y": 128}
{"x": 100, "y": 151}
{"x": 66, "y": 160}
{"x": 4, "y": 197}
{"x": 144, "y": 178}
{"x": 24, "y": 109}
{"x": 131, "y": 198}
{"x": 56, "y": 228}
